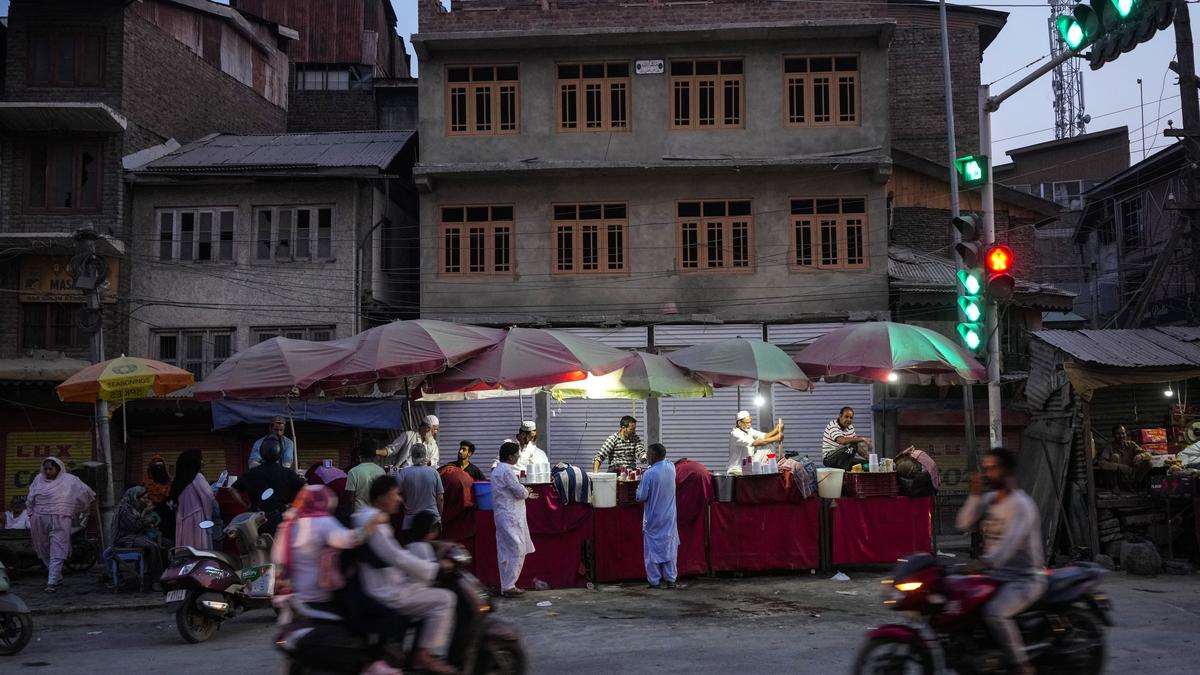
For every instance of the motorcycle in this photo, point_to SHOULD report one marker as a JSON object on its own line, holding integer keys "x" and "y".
{"x": 16, "y": 623}
{"x": 204, "y": 588}
{"x": 1063, "y": 631}
{"x": 314, "y": 640}
{"x": 16, "y": 549}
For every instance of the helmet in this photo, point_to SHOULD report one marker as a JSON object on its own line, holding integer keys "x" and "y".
{"x": 270, "y": 450}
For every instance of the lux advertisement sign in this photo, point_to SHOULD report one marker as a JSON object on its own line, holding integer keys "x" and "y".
{"x": 25, "y": 452}
{"x": 47, "y": 278}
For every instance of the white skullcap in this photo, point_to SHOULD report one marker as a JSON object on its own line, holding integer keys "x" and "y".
{"x": 430, "y": 420}
{"x": 528, "y": 426}
{"x": 743, "y": 414}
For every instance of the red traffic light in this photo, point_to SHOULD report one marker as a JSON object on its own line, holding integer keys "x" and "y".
{"x": 999, "y": 259}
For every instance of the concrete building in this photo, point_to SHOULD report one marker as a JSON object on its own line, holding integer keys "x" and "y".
{"x": 349, "y": 68}
{"x": 87, "y": 83}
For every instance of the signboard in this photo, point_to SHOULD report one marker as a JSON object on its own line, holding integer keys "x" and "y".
{"x": 25, "y": 452}
{"x": 47, "y": 278}
{"x": 649, "y": 67}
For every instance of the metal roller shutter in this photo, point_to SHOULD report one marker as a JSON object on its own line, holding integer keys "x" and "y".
{"x": 486, "y": 423}
{"x": 805, "y": 414}
{"x": 579, "y": 426}
{"x": 698, "y": 428}
{"x": 682, "y": 335}
{"x": 626, "y": 337}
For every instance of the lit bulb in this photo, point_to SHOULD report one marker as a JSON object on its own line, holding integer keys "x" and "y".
{"x": 892, "y": 377}
{"x": 1168, "y": 393}
{"x": 759, "y": 401}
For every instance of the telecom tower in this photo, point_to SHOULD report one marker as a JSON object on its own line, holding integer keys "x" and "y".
{"x": 1069, "y": 117}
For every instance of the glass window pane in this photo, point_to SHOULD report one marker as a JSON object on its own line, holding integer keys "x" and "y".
{"x": 483, "y": 109}
{"x": 453, "y": 251}
{"x": 847, "y": 111}
{"x": 616, "y": 247}
{"x": 593, "y": 105}
{"x": 618, "y": 103}
{"x": 804, "y": 234}
{"x": 854, "y": 242}
{"x": 263, "y": 251}
{"x": 506, "y": 73}
{"x": 325, "y": 234}
{"x": 502, "y": 213}
{"x": 565, "y": 257}
{"x": 733, "y": 102}
{"x": 716, "y": 244}
{"x": 593, "y": 70}
{"x": 564, "y": 212}
{"x": 62, "y": 176}
{"x": 41, "y": 61}
{"x": 690, "y": 245}
{"x": 590, "y": 248}
{"x": 337, "y": 80}
{"x": 458, "y": 109}
{"x": 166, "y": 234}
{"x": 204, "y": 245}
{"x": 458, "y": 74}
{"x": 283, "y": 236}
{"x": 477, "y": 249}
{"x": 568, "y": 115}
{"x": 714, "y": 208}
{"x": 503, "y": 249}
{"x": 37, "y": 175}
{"x": 193, "y": 346}
{"x": 795, "y": 97}
{"x": 187, "y": 236}
{"x": 681, "y": 103}
{"x": 829, "y": 243}
{"x": 707, "y": 103}
{"x": 222, "y": 347}
{"x": 65, "y": 68}
{"x": 568, "y": 72}
{"x": 508, "y": 108}
{"x": 89, "y": 174}
{"x": 226, "y": 251}
{"x": 303, "y": 233}
{"x": 821, "y": 100}
{"x": 590, "y": 211}
{"x": 168, "y": 348}
{"x": 618, "y": 70}
{"x": 706, "y": 67}
{"x": 483, "y": 74}
{"x": 91, "y": 65}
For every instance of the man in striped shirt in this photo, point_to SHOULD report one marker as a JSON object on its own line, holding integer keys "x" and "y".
{"x": 621, "y": 449}
{"x": 841, "y": 446}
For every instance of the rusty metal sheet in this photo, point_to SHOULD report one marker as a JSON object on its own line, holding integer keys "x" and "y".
{"x": 1127, "y": 348}
{"x": 376, "y": 149}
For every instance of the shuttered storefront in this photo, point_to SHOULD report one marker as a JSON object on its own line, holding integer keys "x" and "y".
{"x": 698, "y": 428}
{"x": 805, "y": 414}
{"x": 579, "y": 426}
{"x": 486, "y": 423}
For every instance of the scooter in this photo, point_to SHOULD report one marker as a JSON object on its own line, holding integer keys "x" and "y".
{"x": 16, "y": 624}
{"x": 204, "y": 588}
{"x": 314, "y": 639}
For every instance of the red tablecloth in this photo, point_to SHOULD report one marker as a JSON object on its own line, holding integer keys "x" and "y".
{"x": 558, "y": 534}
{"x": 753, "y": 537}
{"x": 693, "y": 493}
{"x": 619, "y": 544}
{"x": 768, "y": 489}
{"x": 880, "y": 529}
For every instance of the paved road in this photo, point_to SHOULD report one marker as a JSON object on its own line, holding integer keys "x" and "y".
{"x": 773, "y": 624}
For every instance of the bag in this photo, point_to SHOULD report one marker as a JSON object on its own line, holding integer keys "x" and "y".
{"x": 917, "y": 473}
{"x": 804, "y": 475}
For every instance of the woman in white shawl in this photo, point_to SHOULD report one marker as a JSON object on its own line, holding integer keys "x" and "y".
{"x": 55, "y": 498}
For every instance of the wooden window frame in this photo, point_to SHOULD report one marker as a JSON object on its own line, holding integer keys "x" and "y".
{"x": 208, "y": 360}
{"x": 576, "y": 228}
{"x": 489, "y": 228}
{"x": 1123, "y": 217}
{"x": 841, "y": 221}
{"x": 693, "y": 85}
{"x": 806, "y": 82}
{"x": 704, "y": 225}
{"x": 314, "y": 212}
{"x": 472, "y": 89}
{"x": 54, "y": 37}
{"x": 311, "y": 333}
{"x": 77, "y": 148}
{"x": 215, "y": 236}
{"x": 607, "y": 85}
{"x": 49, "y": 325}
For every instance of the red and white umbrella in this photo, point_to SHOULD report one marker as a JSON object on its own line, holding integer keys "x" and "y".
{"x": 885, "y": 351}
{"x": 406, "y": 349}
{"x": 531, "y": 357}
{"x": 741, "y": 361}
{"x": 275, "y": 367}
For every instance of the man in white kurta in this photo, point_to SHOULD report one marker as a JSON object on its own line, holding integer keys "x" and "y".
{"x": 660, "y": 534}
{"x": 513, "y": 542}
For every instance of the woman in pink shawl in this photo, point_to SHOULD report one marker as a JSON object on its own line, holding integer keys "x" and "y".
{"x": 55, "y": 498}
{"x": 194, "y": 501}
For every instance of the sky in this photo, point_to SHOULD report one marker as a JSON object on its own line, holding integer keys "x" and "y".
{"x": 1111, "y": 93}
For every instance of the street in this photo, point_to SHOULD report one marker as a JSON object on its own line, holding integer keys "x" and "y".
{"x": 805, "y": 624}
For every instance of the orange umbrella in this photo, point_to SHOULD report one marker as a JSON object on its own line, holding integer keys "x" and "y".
{"x": 122, "y": 379}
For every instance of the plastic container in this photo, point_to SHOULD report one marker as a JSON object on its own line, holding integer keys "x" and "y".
{"x": 873, "y": 463}
{"x": 724, "y": 486}
{"x": 604, "y": 489}
{"x": 483, "y": 495}
{"x": 829, "y": 482}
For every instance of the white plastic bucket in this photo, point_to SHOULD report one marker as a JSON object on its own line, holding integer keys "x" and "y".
{"x": 829, "y": 482}
{"x": 604, "y": 489}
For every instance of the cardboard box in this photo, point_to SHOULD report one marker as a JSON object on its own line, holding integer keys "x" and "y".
{"x": 1155, "y": 448}
{"x": 1152, "y": 436}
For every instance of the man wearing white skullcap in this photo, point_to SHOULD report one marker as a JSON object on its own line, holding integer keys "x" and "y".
{"x": 400, "y": 450}
{"x": 743, "y": 439}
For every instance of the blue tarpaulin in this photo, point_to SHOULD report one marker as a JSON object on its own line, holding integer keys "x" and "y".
{"x": 364, "y": 414}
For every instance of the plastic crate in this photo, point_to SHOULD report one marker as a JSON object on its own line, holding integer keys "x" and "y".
{"x": 627, "y": 492}
{"x": 1173, "y": 485}
{"x": 861, "y": 485}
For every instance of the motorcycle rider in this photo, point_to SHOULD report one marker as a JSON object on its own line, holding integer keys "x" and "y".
{"x": 1012, "y": 537}
{"x": 284, "y": 484}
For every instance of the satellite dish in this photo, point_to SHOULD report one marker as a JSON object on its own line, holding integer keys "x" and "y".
{"x": 266, "y": 494}
{"x": 206, "y": 524}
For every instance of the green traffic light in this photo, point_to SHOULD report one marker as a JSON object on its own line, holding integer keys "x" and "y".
{"x": 970, "y": 281}
{"x": 973, "y": 171}
{"x": 969, "y": 332}
{"x": 1124, "y": 7}
{"x": 970, "y": 308}
{"x": 1071, "y": 31}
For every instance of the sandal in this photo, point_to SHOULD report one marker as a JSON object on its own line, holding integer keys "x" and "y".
{"x": 51, "y": 589}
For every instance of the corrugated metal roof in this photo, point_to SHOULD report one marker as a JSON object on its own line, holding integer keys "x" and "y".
{"x": 230, "y": 152}
{"x": 1129, "y": 348}
{"x": 917, "y": 271}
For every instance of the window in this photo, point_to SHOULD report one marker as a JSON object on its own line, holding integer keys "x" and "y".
{"x": 320, "y": 77}
{"x": 1131, "y": 222}
{"x": 477, "y": 240}
{"x": 64, "y": 176}
{"x": 482, "y": 100}
{"x": 66, "y": 59}
{"x": 590, "y": 238}
{"x": 195, "y": 235}
{"x": 593, "y": 97}
{"x": 714, "y": 235}
{"x": 310, "y": 333}
{"x": 198, "y": 351}
{"x": 830, "y": 233}
{"x": 707, "y": 94}
{"x": 50, "y": 325}
{"x": 287, "y": 233}
{"x": 820, "y": 91}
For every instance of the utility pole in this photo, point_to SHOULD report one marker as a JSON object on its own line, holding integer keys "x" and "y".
{"x": 968, "y": 393}
{"x": 1185, "y": 67}
{"x": 88, "y": 272}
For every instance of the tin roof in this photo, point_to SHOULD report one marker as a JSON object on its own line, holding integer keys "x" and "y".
{"x": 314, "y": 151}
{"x": 1129, "y": 348}
{"x": 911, "y": 270}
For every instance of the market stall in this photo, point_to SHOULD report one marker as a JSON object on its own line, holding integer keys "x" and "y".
{"x": 558, "y": 531}
{"x": 879, "y": 530}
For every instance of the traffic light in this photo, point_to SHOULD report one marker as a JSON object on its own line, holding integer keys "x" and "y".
{"x": 1112, "y": 27}
{"x": 969, "y": 285}
{"x": 999, "y": 264}
{"x": 972, "y": 170}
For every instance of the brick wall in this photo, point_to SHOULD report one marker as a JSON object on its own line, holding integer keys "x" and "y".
{"x": 929, "y": 230}
{"x": 352, "y": 110}
{"x": 496, "y": 15}
{"x": 918, "y": 103}
{"x": 170, "y": 92}
{"x": 24, "y": 15}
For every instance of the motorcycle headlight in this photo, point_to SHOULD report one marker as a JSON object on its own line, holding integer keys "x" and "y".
{"x": 908, "y": 586}
{"x": 187, "y": 569}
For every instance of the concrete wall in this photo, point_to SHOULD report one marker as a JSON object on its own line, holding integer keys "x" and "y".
{"x": 650, "y": 138}
{"x": 293, "y": 293}
{"x": 769, "y": 291}
{"x": 1091, "y": 157}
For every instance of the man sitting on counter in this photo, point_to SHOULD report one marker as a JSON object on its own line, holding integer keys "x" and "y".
{"x": 622, "y": 449}
{"x": 841, "y": 446}
{"x": 743, "y": 439}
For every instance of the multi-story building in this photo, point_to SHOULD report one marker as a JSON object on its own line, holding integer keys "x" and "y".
{"x": 350, "y": 71}
{"x": 86, "y": 84}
